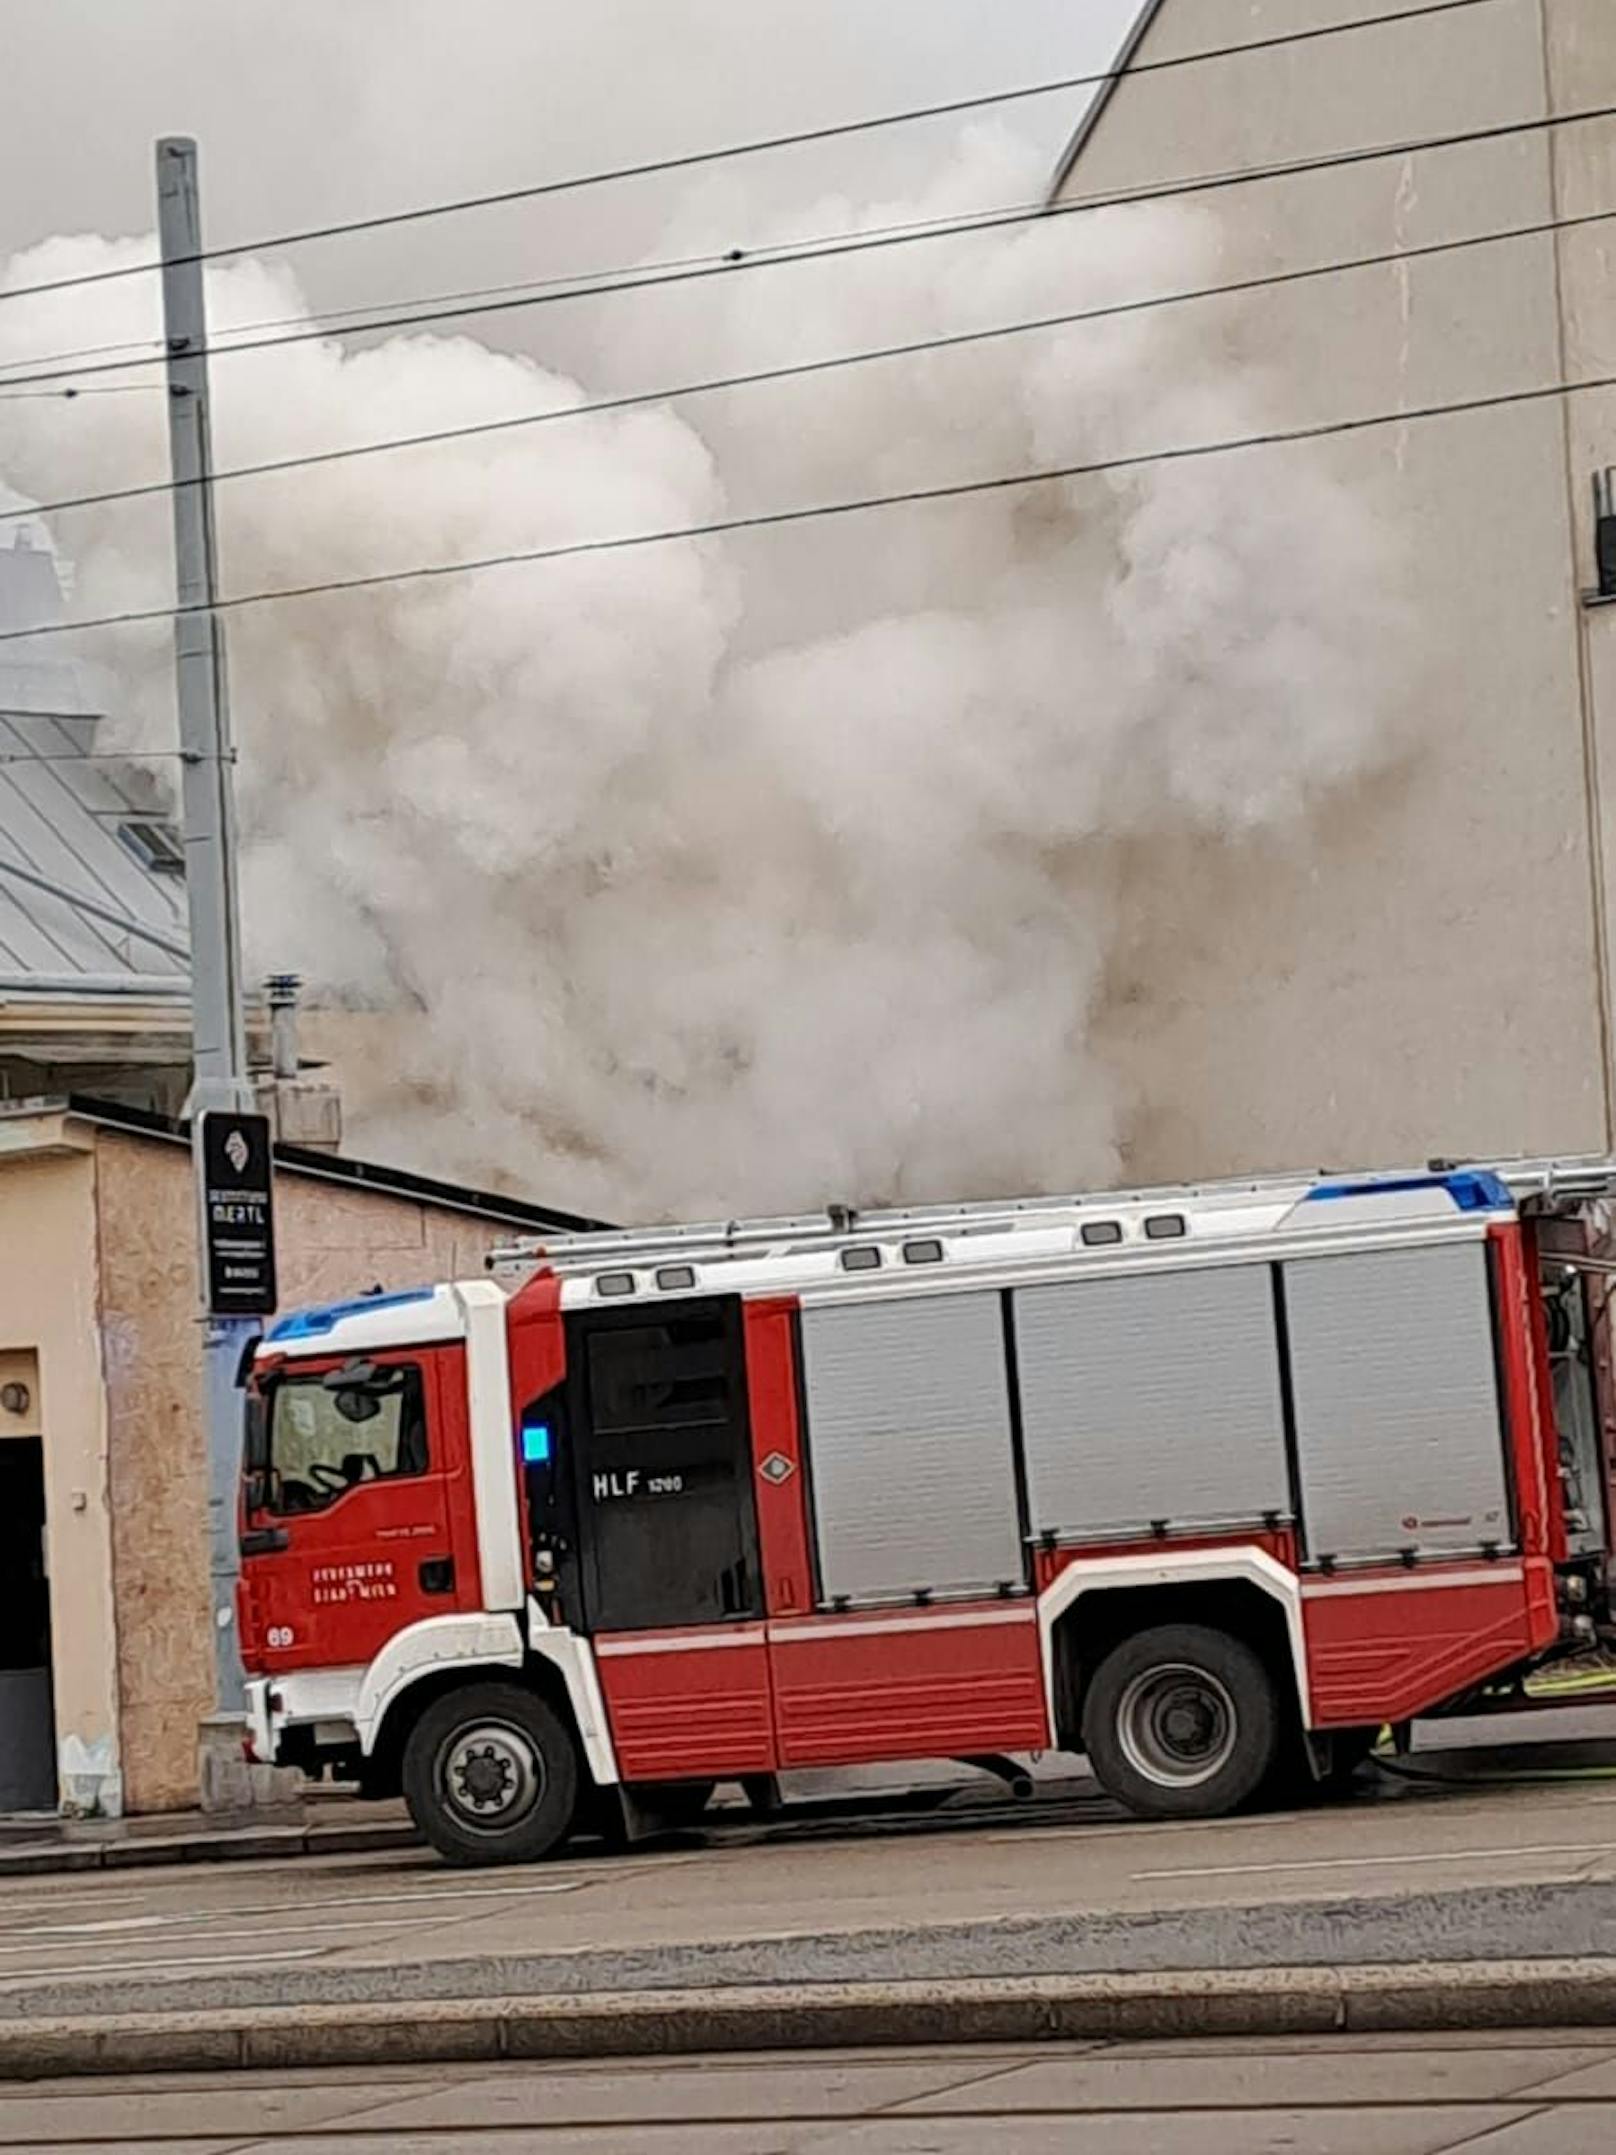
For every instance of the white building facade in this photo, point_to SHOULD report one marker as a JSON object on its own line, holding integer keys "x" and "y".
{"x": 1434, "y": 972}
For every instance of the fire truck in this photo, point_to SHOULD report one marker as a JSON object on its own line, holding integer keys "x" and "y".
{"x": 1207, "y": 1483}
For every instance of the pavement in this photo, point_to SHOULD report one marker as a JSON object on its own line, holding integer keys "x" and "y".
{"x": 1574, "y": 1737}
{"x": 1552, "y": 2093}
{"x": 1430, "y": 1896}
{"x": 329, "y": 1820}
{"x": 1063, "y": 1886}
{"x": 41, "y": 1846}
{"x": 1059, "y": 1890}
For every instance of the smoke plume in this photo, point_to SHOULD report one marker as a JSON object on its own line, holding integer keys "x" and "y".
{"x": 742, "y": 873}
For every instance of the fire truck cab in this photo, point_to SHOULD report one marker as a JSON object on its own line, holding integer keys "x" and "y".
{"x": 1207, "y": 1483}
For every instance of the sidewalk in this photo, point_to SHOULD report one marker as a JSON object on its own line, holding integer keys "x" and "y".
{"x": 970, "y": 1924}
{"x": 1576, "y": 1743}
{"x": 319, "y": 1826}
{"x": 329, "y": 1822}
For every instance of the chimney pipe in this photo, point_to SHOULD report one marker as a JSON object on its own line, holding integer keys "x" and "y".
{"x": 281, "y": 992}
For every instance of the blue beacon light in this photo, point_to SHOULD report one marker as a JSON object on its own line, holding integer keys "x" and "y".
{"x": 536, "y": 1444}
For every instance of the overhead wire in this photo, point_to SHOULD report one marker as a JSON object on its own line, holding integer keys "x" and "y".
{"x": 96, "y": 389}
{"x": 105, "y": 755}
{"x": 737, "y": 261}
{"x": 345, "y": 320}
{"x": 149, "y": 349}
{"x": 723, "y": 527}
{"x": 318, "y": 327}
{"x": 759, "y": 145}
{"x": 677, "y": 392}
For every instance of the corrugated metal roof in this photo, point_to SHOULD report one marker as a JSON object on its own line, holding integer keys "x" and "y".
{"x": 63, "y": 818}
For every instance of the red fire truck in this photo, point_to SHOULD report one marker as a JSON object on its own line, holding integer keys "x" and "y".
{"x": 1206, "y": 1483}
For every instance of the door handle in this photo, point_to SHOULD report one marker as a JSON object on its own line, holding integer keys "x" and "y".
{"x": 437, "y": 1575}
{"x": 265, "y": 1541}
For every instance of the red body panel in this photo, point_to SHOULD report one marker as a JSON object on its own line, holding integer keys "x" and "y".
{"x": 689, "y": 1704}
{"x": 535, "y": 1343}
{"x": 1388, "y": 1646}
{"x": 782, "y": 1491}
{"x": 1529, "y": 1394}
{"x": 350, "y": 1575}
{"x": 938, "y": 1683}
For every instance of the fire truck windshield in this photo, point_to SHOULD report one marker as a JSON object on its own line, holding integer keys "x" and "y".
{"x": 324, "y": 1438}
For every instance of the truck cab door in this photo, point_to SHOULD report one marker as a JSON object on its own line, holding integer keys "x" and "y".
{"x": 358, "y": 1516}
{"x": 651, "y": 1432}
{"x": 662, "y": 1467}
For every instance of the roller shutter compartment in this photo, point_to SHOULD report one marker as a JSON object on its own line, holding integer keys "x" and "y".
{"x": 1152, "y": 1396}
{"x": 910, "y": 1455}
{"x": 1395, "y": 1382}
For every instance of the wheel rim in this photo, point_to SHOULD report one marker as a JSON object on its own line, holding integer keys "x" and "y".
{"x": 490, "y": 1776}
{"x": 1177, "y": 1725}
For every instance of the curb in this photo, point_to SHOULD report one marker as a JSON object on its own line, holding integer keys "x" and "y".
{"x": 243, "y": 1844}
{"x": 1279, "y": 2001}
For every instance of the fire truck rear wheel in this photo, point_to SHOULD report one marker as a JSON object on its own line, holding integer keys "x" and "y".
{"x": 491, "y": 1775}
{"x": 1182, "y": 1722}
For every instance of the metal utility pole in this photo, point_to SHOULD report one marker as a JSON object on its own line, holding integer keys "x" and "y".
{"x": 220, "y": 1084}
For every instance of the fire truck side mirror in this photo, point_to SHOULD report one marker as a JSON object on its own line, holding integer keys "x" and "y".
{"x": 255, "y": 1447}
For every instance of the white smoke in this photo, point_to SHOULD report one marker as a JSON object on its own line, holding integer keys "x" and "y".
{"x": 749, "y": 872}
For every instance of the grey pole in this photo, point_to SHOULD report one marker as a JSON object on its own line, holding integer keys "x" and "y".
{"x": 219, "y": 1059}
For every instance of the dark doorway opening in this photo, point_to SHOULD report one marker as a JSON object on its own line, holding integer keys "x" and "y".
{"x": 27, "y": 1721}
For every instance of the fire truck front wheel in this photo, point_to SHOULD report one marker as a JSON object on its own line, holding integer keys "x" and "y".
{"x": 491, "y": 1775}
{"x": 1181, "y": 1722}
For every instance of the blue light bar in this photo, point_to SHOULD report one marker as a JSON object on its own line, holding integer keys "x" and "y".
{"x": 1472, "y": 1189}
{"x": 325, "y": 1317}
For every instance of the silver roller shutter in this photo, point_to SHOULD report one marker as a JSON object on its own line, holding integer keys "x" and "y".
{"x": 1396, "y": 1393}
{"x": 910, "y": 1457}
{"x": 1151, "y": 1396}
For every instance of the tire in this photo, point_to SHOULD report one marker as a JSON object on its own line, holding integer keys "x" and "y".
{"x": 491, "y": 1775}
{"x": 1182, "y": 1722}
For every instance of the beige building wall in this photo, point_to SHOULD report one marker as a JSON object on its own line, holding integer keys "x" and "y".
{"x": 1428, "y": 971}
{"x": 48, "y": 1326}
{"x": 332, "y": 1241}
{"x": 98, "y": 1319}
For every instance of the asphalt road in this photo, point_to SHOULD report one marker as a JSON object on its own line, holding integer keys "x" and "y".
{"x": 1424, "y": 1872}
{"x": 1497, "y": 2095}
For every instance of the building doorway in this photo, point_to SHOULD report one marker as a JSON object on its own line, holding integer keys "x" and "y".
{"x": 27, "y": 1721}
